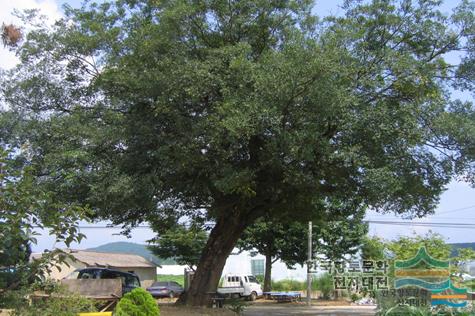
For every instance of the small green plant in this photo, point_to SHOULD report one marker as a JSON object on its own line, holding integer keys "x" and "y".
{"x": 405, "y": 310}
{"x": 324, "y": 284}
{"x": 137, "y": 303}
{"x": 355, "y": 297}
{"x": 288, "y": 285}
{"x": 48, "y": 286}
{"x": 64, "y": 304}
{"x": 237, "y": 306}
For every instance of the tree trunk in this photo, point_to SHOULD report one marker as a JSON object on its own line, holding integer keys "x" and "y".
{"x": 268, "y": 274}
{"x": 221, "y": 242}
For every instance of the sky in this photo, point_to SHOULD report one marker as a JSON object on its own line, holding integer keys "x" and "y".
{"x": 457, "y": 203}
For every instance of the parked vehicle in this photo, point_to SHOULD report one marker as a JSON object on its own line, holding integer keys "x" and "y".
{"x": 235, "y": 285}
{"x": 165, "y": 289}
{"x": 129, "y": 280}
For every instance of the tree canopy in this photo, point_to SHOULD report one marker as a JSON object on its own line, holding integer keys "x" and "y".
{"x": 285, "y": 241}
{"x": 24, "y": 209}
{"x": 180, "y": 243}
{"x": 228, "y": 111}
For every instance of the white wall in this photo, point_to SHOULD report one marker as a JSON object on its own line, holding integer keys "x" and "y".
{"x": 173, "y": 269}
{"x": 146, "y": 275}
{"x": 240, "y": 263}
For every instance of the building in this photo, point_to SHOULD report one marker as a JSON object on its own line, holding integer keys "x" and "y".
{"x": 469, "y": 268}
{"x": 145, "y": 270}
{"x": 251, "y": 262}
{"x": 247, "y": 262}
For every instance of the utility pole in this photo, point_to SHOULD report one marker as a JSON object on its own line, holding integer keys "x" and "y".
{"x": 309, "y": 265}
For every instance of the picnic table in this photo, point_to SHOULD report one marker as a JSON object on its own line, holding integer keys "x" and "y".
{"x": 217, "y": 300}
{"x": 284, "y": 296}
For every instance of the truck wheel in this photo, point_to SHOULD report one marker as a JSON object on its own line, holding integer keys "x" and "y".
{"x": 253, "y": 296}
{"x": 171, "y": 295}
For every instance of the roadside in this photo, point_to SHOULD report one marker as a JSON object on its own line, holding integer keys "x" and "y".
{"x": 299, "y": 309}
{"x": 269, "y": 307}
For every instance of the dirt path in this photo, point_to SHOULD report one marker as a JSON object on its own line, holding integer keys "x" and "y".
{"x": 267, "y": 307}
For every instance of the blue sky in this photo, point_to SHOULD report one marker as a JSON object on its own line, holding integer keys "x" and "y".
{"x": 457, "y": 204}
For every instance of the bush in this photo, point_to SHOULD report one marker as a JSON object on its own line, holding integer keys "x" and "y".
{"x": 13, "y": 299}
{"x": 237, "y": 306}
{"x": 66, "y": 305}
{"x": 288, "y": 285}
{"x": 355, "y": 297}
{"x": 137, "y": 303}
{"x": 324, "y": 284}
{"x": 405, "y": 310}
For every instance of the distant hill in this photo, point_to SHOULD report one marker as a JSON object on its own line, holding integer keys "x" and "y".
{"x": 132, "y": 248}
{"x": 457, "y": 246}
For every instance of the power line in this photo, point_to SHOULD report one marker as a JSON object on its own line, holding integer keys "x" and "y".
{"x": 425, "y": 224}
{"x": 435, "y": 214}
{"x": 458, "y": 209}
{"x": 378, "y": 222}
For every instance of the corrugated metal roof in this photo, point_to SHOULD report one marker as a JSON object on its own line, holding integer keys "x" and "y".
{"x": 108, "y": 259}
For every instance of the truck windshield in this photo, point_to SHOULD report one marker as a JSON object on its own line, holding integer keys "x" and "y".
{"x": 252, "y": 279}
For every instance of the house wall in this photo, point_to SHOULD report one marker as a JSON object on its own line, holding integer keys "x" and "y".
{"x": 65, "y": 269}
{"x": 146, "y": 275}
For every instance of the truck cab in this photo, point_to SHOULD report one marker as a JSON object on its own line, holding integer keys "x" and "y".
{"x": 242, "y": 285}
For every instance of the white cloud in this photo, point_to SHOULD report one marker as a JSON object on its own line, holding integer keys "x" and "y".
{"x": 49, "y": 8}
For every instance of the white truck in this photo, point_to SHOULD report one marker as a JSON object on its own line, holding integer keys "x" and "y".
{"x": 235, "y": 285}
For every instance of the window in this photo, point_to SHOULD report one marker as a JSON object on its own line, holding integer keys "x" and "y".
{"x": 252, "y": 279}
{"x": 131, "y": 281}
{"x": 257, "y": 266}
{"x": 86, "y": 274}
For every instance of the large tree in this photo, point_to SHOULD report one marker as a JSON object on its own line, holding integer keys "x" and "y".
{"x": 225, "y": 111}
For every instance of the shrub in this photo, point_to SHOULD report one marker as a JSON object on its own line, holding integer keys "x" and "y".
{"x": 66, "y": 305}
{"x": 405, "y": 310}
{"x": 355, "y": 297}
{"x": 237, "y": 306}
{"x": 137, "y": 303}
{"x": 324, "y": 284}
{"x": 288, "y": 285}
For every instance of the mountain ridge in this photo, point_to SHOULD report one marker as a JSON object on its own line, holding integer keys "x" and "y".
{"x": 132, "y": 248}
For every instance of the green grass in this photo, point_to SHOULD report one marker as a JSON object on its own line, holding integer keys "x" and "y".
{"x": 170, "y": 277}
{"x": 288, "y": 285}
{"x": 323, "y": 283}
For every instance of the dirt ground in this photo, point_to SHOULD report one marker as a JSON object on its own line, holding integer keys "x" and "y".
{"x": 167, "y": 307}
{"x": 184, "y": 311}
